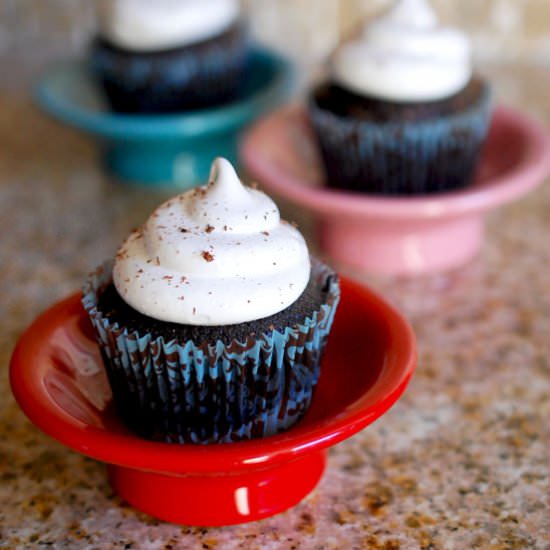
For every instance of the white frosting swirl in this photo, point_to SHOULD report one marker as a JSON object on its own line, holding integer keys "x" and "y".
{"x": 405, "y": 56}
{"x": 150, "y": 25}
{"x": 216, "y": 255}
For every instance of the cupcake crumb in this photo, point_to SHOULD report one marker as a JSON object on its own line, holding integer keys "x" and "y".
{"x": 209, "y": 228}
{"x": 208, "y": 256}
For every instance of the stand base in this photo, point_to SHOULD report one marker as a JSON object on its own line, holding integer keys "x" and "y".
{"x": 402, "y": 247}
{"x": 180, "y": 164}
{"x": 219, "y": 499}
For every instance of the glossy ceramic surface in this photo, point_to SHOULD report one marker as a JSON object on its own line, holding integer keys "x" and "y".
{"x": 174, "y": 149}
{"x": 58, "y": 380}
{"x": 391, "y": 235}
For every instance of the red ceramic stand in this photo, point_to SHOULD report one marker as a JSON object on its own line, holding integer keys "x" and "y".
{"x": 58, "y": 379}
{"x": 397, "y": 235}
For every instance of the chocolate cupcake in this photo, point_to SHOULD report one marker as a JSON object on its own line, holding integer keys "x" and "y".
{"x": 213, "y": 320}
{"x": 403, "y": 113}
{"x": 169, "y": 55}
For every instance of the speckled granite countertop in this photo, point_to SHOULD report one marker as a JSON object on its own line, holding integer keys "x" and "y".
{"x": 461, "y": 462}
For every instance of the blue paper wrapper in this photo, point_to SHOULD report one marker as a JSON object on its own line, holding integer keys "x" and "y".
{"x": 206, "y": 392}
{"x": 197, "y": 76}
{"x": 405, "y": 157}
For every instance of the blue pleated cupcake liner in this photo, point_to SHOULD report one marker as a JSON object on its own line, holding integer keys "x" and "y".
{"x": 191, "y": 77}
{"x": 402, "y": 158}
{"x": 213, "y": 392}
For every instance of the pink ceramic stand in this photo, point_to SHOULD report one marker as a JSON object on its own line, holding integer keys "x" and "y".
{"x": 390, "y": 235}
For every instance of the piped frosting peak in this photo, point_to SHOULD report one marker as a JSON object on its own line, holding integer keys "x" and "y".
{"x": 214, "y": 255}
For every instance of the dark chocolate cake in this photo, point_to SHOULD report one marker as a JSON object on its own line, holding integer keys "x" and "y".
{"x": 172, "y": 382}
{"x": 344, "y": 103}
{"x": 194, "y": 76}
{"x": 116, "y": 310}
{"x": 389, "y": 148}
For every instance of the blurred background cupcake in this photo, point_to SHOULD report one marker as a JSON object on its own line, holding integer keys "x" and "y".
{"x": 163, "y": 84}
{"x": 169, "y": 55}
{"x": 33, "y": 33}
{"x": 402, "y": 112}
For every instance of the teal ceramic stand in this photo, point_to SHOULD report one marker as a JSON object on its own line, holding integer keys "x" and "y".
{"x": 180, "y": 162}
{"x": 175, "y": 149}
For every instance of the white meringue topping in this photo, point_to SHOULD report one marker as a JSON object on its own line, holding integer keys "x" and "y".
{"x": 215, "y": 255}
{"x": 151, "y": 25}
{"x": 405, "y": 56}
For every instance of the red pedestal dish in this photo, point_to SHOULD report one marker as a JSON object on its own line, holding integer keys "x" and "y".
{"x": 58, "y": 379}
